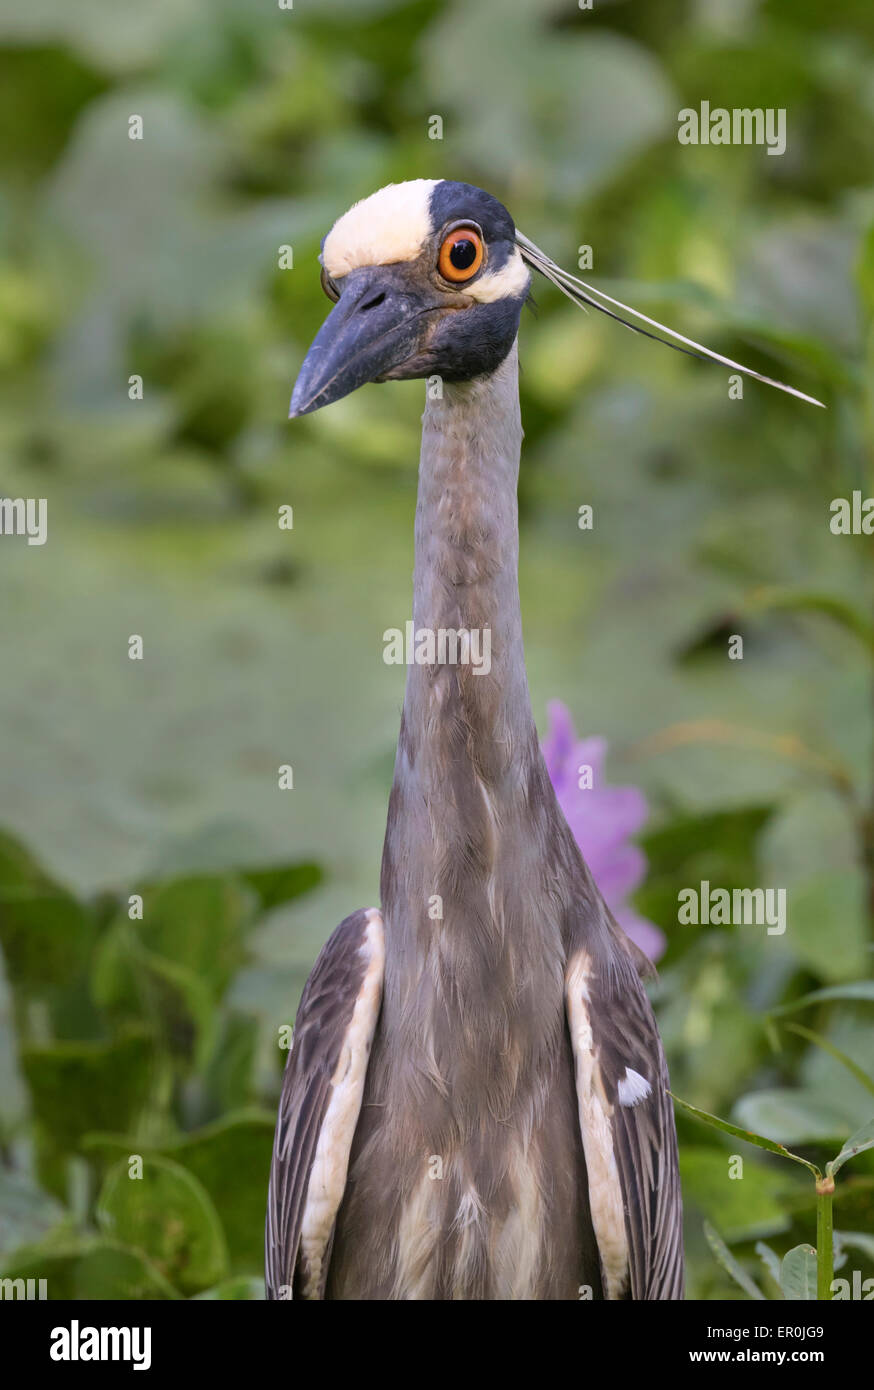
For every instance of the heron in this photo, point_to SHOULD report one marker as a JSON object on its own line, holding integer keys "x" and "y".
{"x": 475, "y": 1104}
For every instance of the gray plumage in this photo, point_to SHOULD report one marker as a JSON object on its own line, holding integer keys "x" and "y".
{"x": 471, "y": 1060}
{"x": 475, "y": 1105}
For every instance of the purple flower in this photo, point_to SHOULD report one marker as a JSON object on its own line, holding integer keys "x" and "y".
{"x": 601, "y": 819}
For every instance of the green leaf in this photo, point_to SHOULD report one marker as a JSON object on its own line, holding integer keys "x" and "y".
{"x": 88, "y": 1267}
{"x": 216, "y": 1156}
{"x": 168, "y": 1216}
{"x": 799, "y": 1115}
{"x": 730, "y": 1264}
{"x": 819, "y": 1041}
{"x": 798, "y": 1273}
{"x": 112, "y": 1271}
{"x": 131, "y": 981}
{"x": 841, "y": 611}
{"x": 228, "y": 1077}
{"x": 200, "y": 923}
{"x": 770, "y": 1259}
{"x": 283, "y": 883}
{"x": 171, "y": 970}
{"x": 745, "y": 1207}
{"x": 748, "y": 1136}
{"x": 722, "y": 837}
{"x": 719, "y": 847}
{"x": 45, "y": 934}
{"x": 597, "y": 82}
{"x": 78, "y": 1087}
{"x": 828, "y": 926}
{"x": 857, "y": 990}
{"x": 857, "y": 1143}
{"x": 237, "y": 1289}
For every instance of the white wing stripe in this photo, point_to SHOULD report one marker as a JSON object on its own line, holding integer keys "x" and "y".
{"x": 605, "y": 1188}
{"x": 331, "y": 1163}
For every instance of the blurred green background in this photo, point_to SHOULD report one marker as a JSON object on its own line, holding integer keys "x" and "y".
{"x": 264, "y": 647}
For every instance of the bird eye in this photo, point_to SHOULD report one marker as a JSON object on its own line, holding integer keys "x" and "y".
{"x": 329, "y": 286}
{"x": 461, "y": 255}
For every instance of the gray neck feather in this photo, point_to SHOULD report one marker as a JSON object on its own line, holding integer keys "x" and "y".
{"x": 466, "y": 576}
{"x": 471, "y": 805}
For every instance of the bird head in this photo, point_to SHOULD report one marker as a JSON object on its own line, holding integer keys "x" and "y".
{"x": 428, "y": 278}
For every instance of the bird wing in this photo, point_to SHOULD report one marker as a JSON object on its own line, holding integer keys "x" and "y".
{"x": 627, "y": 1124}
{"x": 320, "y": 1103}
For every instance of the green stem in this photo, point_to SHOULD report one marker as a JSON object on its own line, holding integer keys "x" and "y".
{"x": 824, "y": 1239}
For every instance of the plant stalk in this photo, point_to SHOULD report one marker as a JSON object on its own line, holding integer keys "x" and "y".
{"x": 824, "y": 1239}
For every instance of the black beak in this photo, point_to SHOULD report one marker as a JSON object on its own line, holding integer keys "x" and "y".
{"x": 378, "y": 323}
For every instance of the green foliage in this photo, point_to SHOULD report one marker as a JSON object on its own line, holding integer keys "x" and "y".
{"x": 229, "y": 1159}
{"x": 719, "y": 847}
{"x": 760, "y": 1141}
{"x": 166, "y": 1213}
{"x": 730, "y": 1264}
{"x": 85, "y": 1266}
{"x": 857, "y": 1143}
{"x": 75, "y": 1087}
{"x": 806, "y": 1271}
{"x": 160, "y": 258}
{"x": 46, "y": 935}
{"x": 798, "y": 1273}
{"x": 147, "y": 1198}
{"x": 743, "y": 1210}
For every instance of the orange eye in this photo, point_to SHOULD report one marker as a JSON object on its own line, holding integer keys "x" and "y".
{"x": 461, "y": 255}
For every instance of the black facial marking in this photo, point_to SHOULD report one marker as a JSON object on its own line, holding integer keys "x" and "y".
{"x": 459, "y": 202}
{"x": 462, "y": 202}
{"x": 476, "y": 342}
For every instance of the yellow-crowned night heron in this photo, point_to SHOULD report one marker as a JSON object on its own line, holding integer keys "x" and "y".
{"x": 475, "y": 1102}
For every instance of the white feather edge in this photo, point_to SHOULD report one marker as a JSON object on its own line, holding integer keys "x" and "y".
{"x": 327, "y": 1181}
{"x": 563, "y": 279}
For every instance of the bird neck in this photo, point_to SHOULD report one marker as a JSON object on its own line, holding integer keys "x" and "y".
{"x": 473, "y": 702}
{"x": 467, "y": 735}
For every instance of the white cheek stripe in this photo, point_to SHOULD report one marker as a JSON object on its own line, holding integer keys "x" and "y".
{"x": 605, "y": 1189}
{"x": 331, "y": 1163}
{"x": 512, "y": 279}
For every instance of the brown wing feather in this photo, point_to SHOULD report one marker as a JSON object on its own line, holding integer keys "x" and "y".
{"x": 621, "y": 1071}
{"x": 644, "y": 1134}
{"x": 334, "y": 1027}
